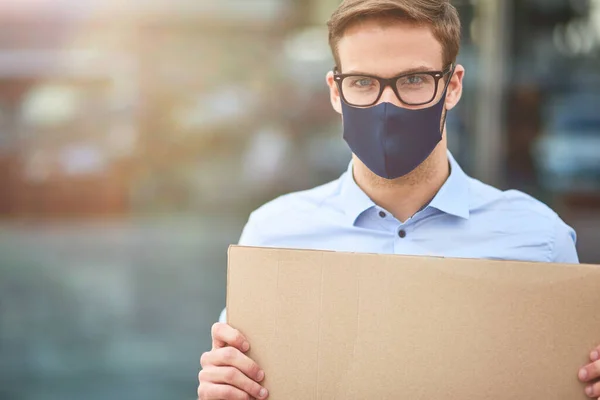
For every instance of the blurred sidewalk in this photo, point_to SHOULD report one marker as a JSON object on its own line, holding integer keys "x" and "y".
{"x": 109, "y": 310}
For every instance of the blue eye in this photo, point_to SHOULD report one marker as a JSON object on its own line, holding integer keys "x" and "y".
{"x": 363, "y": 82}
{"x": 414, "y": 80}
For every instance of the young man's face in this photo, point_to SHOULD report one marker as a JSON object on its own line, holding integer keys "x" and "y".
{"x": 389, "y": 48}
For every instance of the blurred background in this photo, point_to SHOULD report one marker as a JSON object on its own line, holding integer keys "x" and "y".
{"x": 136, "y": 137}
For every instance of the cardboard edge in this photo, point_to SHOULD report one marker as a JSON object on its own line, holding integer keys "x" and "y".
{"x": 278, "y": 249}
{"x": 228, "y": 283}
{"x": 414, "y": 257}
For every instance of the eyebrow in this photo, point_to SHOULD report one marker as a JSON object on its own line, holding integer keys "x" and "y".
{"x": 421, "y": 68}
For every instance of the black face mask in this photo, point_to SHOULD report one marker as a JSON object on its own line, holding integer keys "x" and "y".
{"x": 393, "y": 141}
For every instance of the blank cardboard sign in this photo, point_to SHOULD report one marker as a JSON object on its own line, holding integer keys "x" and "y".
{"x": 326, "y": 325}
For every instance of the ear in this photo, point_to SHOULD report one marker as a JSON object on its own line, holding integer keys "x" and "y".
{"x": 455, "y": 88}
{"x": 334, "y": 93}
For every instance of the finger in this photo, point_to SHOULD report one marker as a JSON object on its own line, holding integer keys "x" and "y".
{"x": 590, "y": 372}
{"x": 234, "y": 377}
{"x": 221, "y": 392}
{"x": 595, "y": 354}
{"x": 231, "y": 357}
{"x": 224, "y": 335}
{"x": 593, "y": 390}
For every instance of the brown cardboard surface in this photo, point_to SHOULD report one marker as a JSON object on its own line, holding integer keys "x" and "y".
{"x": 328, "y": 325}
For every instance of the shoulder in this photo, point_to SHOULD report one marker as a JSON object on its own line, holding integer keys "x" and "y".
{"x": 511, "y": 202}
{"x": 517, "y": 213}
{"x": 291, "y": 212}
{"x": 298, "y": 202}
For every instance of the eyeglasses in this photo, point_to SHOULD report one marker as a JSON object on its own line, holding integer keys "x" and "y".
{"x": 414, "y": 89}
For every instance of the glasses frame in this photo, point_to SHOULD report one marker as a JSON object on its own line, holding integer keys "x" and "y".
{"x": 392, "y": 82}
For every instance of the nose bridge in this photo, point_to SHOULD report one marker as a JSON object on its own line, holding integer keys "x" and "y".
{"x": 389, "y": 96}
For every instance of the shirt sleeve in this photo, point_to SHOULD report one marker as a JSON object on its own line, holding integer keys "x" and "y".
{"x": 250, "y": 234}
{"x": 565, "y": 240}
{"x": 223, "y": 316}
{"x": 250, "y": 237}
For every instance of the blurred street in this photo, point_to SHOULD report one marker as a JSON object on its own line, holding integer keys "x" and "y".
{"x": 96, "y": 310}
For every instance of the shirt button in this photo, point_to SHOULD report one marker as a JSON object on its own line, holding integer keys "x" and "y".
{"x": 402, "y": 234}
{"x": 382, "y": 214}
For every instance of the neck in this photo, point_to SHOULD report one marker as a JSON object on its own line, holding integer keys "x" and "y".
{"x": 405, "y": 196}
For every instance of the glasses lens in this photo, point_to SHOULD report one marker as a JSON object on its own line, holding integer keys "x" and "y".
{"x": 360, "y": 90}
{"x": 417, "y": 88}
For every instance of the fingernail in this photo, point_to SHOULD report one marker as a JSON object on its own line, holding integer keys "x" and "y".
{"x": 263, "y": 393}
{"x": 583, "y": 374}
{"x": 246, "y": 346}
{"x": 589, "y": 390}
{"x": 595, "y": 355}
{"x": 260, "y": 376}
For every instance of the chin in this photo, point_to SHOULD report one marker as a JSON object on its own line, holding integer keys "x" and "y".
{"x": 423, "y": 173}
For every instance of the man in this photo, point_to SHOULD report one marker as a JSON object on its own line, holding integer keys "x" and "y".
{"x": 395, "y": 80}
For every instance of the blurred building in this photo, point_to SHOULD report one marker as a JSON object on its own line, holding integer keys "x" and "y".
{"x": 160, "y": 106}
{"x": 111, "y": 107}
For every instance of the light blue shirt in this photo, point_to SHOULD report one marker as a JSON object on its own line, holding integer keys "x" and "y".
{"x": 466, "y": 219}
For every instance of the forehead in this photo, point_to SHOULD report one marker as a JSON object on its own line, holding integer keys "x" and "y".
{"x": 387, "y": 48}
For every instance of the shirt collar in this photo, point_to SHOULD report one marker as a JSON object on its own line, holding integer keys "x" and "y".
{"x": 452, "y": 198}
{"x": 354, "y": 201}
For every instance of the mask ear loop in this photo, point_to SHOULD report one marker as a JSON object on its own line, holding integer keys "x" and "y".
{"x": 444, "y": 123}
{"x": 446, "y": 110}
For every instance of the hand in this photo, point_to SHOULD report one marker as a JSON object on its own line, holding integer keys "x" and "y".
{"x": 227, "y": 373}
{"x": 590, "y": 374}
